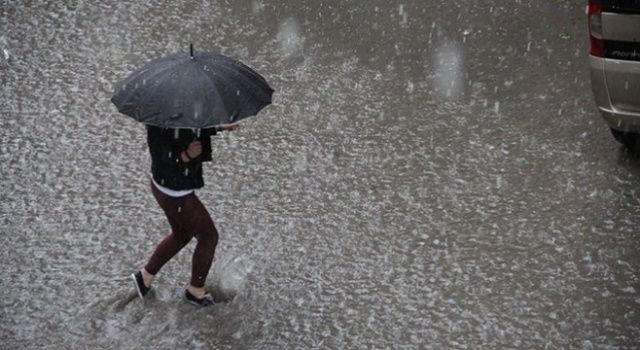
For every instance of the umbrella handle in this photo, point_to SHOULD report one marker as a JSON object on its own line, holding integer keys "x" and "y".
{"x": 191, "y": 50}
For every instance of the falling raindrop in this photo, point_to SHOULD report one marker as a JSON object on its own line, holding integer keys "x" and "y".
{"x": 403, "y": 14}
{"x": 448, "y": 61}
{"x": 197, "y": 109}
{"x": 291, "y": 42}
{"x": 5, "y": 52}
{"x": 433, "y": 27}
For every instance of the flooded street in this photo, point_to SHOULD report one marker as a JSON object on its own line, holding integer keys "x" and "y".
{"x": 431, "y": 175}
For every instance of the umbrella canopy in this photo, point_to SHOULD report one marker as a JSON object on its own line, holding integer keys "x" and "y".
{"x": 192, "y": 90}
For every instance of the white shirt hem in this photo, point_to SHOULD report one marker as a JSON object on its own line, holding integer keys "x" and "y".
{"x": 169, "y": 192}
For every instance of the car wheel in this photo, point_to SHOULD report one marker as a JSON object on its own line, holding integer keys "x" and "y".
{"x": 630, "y": 139}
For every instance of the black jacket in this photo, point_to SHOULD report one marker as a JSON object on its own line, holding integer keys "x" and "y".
{"x": 167, "y": 167}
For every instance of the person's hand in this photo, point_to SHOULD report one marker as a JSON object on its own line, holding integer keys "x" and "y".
{"x": 229, "y": 127}
{"x": 193, "y": 151}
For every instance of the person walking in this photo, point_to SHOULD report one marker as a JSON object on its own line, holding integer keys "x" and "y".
{"x": 176, "y": 172}
{"x": 184, "y": 98}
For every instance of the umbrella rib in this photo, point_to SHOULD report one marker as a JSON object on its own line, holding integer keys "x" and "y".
{"x": 246, "y": 82}
{"x": 244, "y": 67}
{"x": 202, "y": 92}
{"x": 156, "y": 87}
{"x": 136, "y": 76}
{"x": 156, "y": 64}
{"x": 227, "y": 81}
{"x": 244, "y": 70}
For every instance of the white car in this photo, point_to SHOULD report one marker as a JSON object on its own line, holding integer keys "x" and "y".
{"x": 614, "y": 32}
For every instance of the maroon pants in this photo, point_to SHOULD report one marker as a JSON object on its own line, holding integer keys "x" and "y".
{"x": 188, "y": 218}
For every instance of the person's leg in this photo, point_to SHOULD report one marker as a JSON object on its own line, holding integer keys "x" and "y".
{"x": 168, "y": 247}
{"x": 202, "y": 227}
{"x": 172, "y": 243}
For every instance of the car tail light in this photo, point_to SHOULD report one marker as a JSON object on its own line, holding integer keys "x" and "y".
{"x": 595, "y": 27}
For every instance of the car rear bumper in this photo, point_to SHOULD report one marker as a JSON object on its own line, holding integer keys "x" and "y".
{"x": 622, "y": 121}
{"x": 619, "y": 115}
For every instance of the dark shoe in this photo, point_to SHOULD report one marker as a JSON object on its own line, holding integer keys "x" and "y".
{"x": 139, "y": 283}
{"x": 206, "y": 300}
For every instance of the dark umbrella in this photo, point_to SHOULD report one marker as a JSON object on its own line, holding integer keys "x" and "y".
{"x": 195, "y": 90}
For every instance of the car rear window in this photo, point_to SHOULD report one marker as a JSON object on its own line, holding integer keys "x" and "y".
{"x": 621, "y": 6}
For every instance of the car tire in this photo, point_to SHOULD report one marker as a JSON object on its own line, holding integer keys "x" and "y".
{"x": 631, "y": 140}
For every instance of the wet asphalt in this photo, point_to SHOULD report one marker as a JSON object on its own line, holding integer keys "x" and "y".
{"x": 430, "y": 175}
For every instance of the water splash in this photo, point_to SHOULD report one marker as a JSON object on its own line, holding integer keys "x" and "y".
{"x": 449, "y": 69}
{"x": 289, "y": 38}
{"x": 229, "y": 274}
